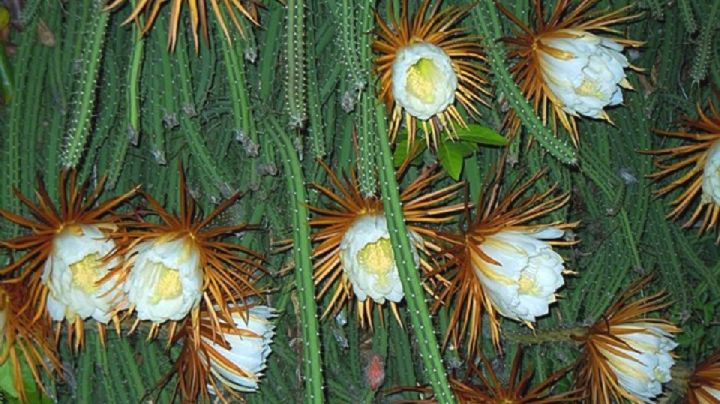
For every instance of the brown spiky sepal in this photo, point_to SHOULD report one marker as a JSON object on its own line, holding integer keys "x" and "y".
{"x": 687, "y": 163}
{"x": 421, "y": 207}
{"x": 706, "y": 376}
{"x": 517, "y": 388}
{"x": 198, "y": 16}
{"x": 26, "y": 342}
{"x": 594, "y": 374}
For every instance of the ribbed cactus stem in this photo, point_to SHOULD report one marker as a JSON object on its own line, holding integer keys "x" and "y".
{"x": 542, "y": 336}
{"x": 11, "y": 151}
{"x": 83, "y": 107}
{"x": 316, "y": 128}
{"x": 133, "y": 109}
{"x": 367, "y": 171}
{"x": 707, "y": 46}
{"x": 244, "y": 125}
{"x": 212, "y": 172}
{"x": 687, "y": 16}
{"x": 296, "y": 64}
{"x": 303, "y": 269}
{"x": 409, "y": 274}
{"x": 487, "y": 20}
{"x": 366, "y": 116}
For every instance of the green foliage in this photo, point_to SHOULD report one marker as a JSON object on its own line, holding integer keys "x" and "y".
{"x": 7, "y": 383}
{"x": 8, "y": 392}
{"x": 451, "y": 152}
{"x": 409, "y": 276}
{"x": 254, "y": 114}
{"x": 303, "y": 271}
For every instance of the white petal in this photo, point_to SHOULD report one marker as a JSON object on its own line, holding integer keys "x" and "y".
{"x": 643, "y": 377}
{"x": 165, "y": 281}
{"x": 512, "y": 257}
{"x": 502, "y": 292}
{"x": 548, "y": 233}
{"x": 246, "y": 352}
{"x": 529, "y": 273}
{"x": 711, "y": 175}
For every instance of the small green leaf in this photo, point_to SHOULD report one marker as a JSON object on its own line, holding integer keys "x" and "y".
{"x": 451, "y": 155}
{"x": 480, "y": 134}
{"x": 402, "y": 150}
{"x": 7, "y": 385}
{"x": 400, "y": 153}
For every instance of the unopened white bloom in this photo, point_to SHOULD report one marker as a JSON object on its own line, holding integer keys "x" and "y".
{"x": 645, "y": 367}
{"x": 247, "y": 352}
{"x": 423, "y": 80}
{"x": 528, "y": 272}
{"x": 367, "y": 258}
{"x": 165, "y": 281}
{"x": 583, "y": 71}
{"x": 711, "y": 175}
{"x": 72, "y": 271}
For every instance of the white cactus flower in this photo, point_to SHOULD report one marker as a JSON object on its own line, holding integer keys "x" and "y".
{"x": 72, "y": 271}
{"x": 165, "y": 280}
{"x": 644, "y": 366}
{"x": 367, "y": 258}
{"x": 711, "y": 176}
{"x": 528, "y": 272}
{"x": 423, "y": 80}
{"x": 584, "y": 72}
{"x": 249, "y": 349}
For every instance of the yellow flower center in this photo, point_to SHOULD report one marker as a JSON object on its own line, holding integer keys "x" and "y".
{"x": 420, "y": 80}
{"x": 70, "y": 315}
{"x": 169, "y": 285}
{"x": 588, "y": 88}
{"x": 658, "y": 373}
{"x": 86, "y": 272}
{"x": 377, "y": 258}
{"x": 528, "y": 286}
